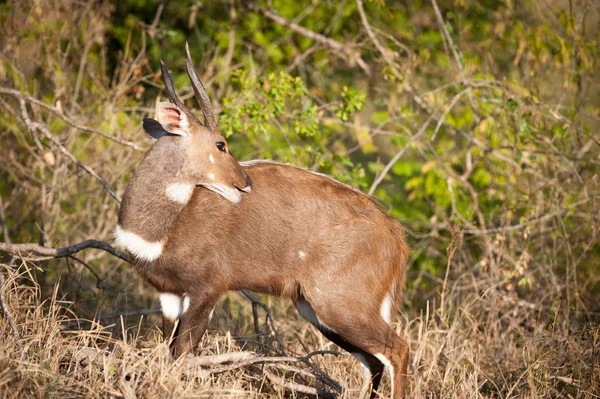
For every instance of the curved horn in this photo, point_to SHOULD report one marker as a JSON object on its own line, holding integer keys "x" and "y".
{"x": 172, "y": 95}
{"x": 210, "y": 118}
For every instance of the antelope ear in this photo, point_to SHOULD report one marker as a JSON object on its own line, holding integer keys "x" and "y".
{"x": 154, "y": 129}
{"x": 172, "y": 119}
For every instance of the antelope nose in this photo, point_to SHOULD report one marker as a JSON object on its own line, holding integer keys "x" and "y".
{"x": 248, "y": 187}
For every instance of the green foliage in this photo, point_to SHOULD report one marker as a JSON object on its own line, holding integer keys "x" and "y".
{"x": 496, "y": 115}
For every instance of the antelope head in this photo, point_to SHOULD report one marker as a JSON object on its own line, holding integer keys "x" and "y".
{"x": 202, "y": 154}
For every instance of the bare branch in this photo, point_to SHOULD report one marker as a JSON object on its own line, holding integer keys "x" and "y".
{"x": 244, "y": 359}
{"x": 34, "y": 126}
{"x": 344, "y": 50}
{"x": 3, "y": 302}
{"x": 24, "y": 96}
{"x": 255, "y": 303}
{"x": 25, "y": 251}
{"x": 442, "y": 24}
{"x": 5, "y": 308}
{"x": 534, "y": 220}
{"x": 143, "y": 312}
{"x": 291, "y": 385}
{"x": 399, "y": 154}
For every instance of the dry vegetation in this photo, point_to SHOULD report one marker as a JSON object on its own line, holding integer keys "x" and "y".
{"x": 503, "y": 298}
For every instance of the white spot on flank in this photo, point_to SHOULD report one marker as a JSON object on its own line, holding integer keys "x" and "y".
{"x": 386, "y": 309}
{"x": 211, "y": 158}
{"x": 138, "y": 247}
{"x": 211, "y": 176}
{"x": 180, "y": 192}
{"x": 302, "y": 254}
{"x": 170, "y": 305}
{"x": 390, "y": 370}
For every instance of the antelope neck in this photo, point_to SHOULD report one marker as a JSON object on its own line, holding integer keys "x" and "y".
{"x": 154, "y": 197}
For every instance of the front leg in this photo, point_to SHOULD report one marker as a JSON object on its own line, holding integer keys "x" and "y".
{"x": 172, "y": 307}
{"x": 168, "y": 328}
{"x": 196, "y": 313}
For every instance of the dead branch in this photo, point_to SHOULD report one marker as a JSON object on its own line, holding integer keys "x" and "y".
{"x": 25, "y": 251}
{"x": 3, "y": 302}
{"x": 243, "y": 359}
{"x": 536, "y": 219}
{"x": 24, "y": 96}
{"x": 461, "y": 69}
{"x": 5, "y": 309}
{"x": 217, "y": 360}
{"x": 142, "y": 312}
{"x": 255, "y": 303}
{"x": 345, "y": 51}
{"x": 34, "y": 126}
{"x": 399, "y": 154}
{"x": 291, "y": 385}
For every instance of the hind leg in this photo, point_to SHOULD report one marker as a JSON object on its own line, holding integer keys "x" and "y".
{"x": 371, "y": 335}
{"x": 379, "y": 340}
{"x": 373, "y": 368}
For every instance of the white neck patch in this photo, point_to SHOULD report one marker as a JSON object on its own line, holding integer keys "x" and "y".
{"x": 138, "y": 247}
{"x": 180, "y": 192}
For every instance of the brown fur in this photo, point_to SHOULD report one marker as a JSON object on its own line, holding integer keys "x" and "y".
{"x": 296, "y": 234}
{"x": 355, "y": 253}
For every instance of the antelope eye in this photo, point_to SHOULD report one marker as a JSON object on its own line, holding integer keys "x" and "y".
{"x": 221, "y": 146}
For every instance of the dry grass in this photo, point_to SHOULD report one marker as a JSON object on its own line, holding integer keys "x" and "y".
{"x": 515, "y": 316}
{"x": 485, "y": 346}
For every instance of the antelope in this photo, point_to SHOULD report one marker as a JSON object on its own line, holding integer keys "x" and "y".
{"x": 198, "y": 223}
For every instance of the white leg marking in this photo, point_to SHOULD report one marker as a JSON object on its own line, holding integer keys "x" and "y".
{"x": 185, "y": 305}
{"x": 211, "y": 314}
{"x": 309, "y": 314}
{"x": 302, "y": 254}
{"x": 170, "y": 305}
{"x": 211, "y": 158}
{"x": 180, "y": 192}
{"x": 386, "y": 309}
{"x": 390, "y": 370}
{"x": 138, "y": 247}
{"x": 366, "y": 374}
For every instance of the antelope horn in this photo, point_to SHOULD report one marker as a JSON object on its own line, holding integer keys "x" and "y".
{"x": 210, "y": 118}
{"x": 172, "y": 95}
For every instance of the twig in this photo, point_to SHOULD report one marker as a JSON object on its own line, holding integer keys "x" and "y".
{"x": 399, "y": 154}
{"x": 527, "y": 223}
{"x": 345, "y": 50}
{"x": 291, "y": 385}
{"x": 31, "y": 248}
{"x": 459, "y": 64}
{"x": 7, "y": 314}
{"x": 143, "y": 312}
{"x": 385, "y": 53}
{"x": 248, "y": 358}
{"x": 24, "y": 96}
{"x": 257, "y": 302}
{"x": 5, "y": 309}
{"x": 34, "y": 126}
{"x": 222, "y": 358}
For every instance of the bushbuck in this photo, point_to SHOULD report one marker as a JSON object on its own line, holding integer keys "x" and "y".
{"x": 198, "y": 223}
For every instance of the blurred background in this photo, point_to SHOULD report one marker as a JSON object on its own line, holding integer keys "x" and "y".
{"x": 474, "y": 123}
